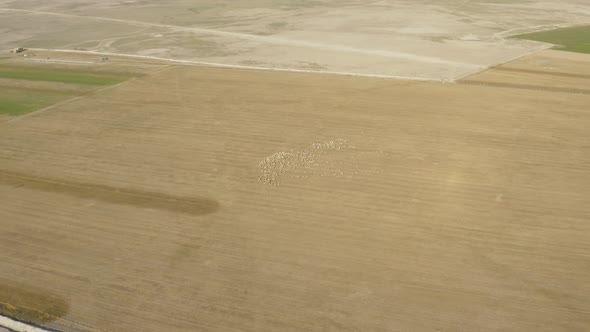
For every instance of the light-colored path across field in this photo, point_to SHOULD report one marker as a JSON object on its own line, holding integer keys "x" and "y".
{"x": 17, "y": 326}
{"x": 266, "y": 39}
{"x": 536, "y": 28}
{"x": 223, "y": 65}
{"x": 435, "y": 40}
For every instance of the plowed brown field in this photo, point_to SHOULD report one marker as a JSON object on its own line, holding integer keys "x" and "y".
{"x": 207, "y": 199}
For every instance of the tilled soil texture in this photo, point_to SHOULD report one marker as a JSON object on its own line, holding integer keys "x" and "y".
{"x": 552, "y": 71}
{"x": 323, "y": 203}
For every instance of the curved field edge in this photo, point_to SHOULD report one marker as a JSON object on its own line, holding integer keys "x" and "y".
{"x": 574, "y": 39}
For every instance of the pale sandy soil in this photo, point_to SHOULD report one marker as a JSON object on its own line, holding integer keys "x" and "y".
{"x": 81, "y": 62}
{"x": 426, "y": 39}
{"x": 17, "y": 326}
{"x": 209, "y": 199}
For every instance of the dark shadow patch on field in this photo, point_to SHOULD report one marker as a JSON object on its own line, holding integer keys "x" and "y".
{"x": 31, "y": 304}
{"x": 113, "y": 195}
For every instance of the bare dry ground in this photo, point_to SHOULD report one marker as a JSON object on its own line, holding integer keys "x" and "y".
{"x": 417, "y": 39}
{"x": 208, "y": 199}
